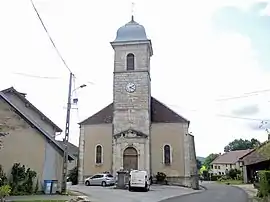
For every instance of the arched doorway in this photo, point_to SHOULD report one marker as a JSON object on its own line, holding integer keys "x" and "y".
{"x": 130, "y": 159}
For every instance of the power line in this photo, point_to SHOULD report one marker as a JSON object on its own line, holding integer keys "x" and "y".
{"x": 249, "y": 94}
{"x": 43, "y": 25}
{"x": 225, "y": 115}
{"x": 239, "y": 117}
{"x": 35, "y": 76}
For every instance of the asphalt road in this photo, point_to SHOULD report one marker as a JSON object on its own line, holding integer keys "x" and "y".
{"x": 214, "y": 193}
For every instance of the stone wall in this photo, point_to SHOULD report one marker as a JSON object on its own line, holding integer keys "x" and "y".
{"x": 194, "y": 178}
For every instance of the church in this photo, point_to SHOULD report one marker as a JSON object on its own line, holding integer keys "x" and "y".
{"x": 136, "y": 131}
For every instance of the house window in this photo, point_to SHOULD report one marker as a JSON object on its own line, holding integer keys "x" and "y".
{"x": 215, "y": 167}
{"x": 130, "y": 61}
{"x": 211, "y": 166}
{"x": 167, "y": 154}
{"x": 218, "y": 167}
{"x": 230, "y": 165}
{"x": 99, "y": 153}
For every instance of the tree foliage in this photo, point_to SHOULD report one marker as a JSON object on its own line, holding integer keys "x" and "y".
{"x": 199, "y": 164}
{"x": 240, "y": 144}
{"x": 209, "y": 159}
{"x": 22, "y": 180}
{"x": 73, "y": 176}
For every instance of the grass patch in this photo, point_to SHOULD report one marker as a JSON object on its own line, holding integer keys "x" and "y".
{"x": 231, "y": 182}
{"x": 42, "y": 201}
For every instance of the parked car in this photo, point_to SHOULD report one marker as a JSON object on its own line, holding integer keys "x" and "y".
{"x": 103, "y": 179}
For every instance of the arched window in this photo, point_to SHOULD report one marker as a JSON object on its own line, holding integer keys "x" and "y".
{"x": 130, "y": 61}
{"x": 99, "y": 153}
{"x": 167, "y": 154}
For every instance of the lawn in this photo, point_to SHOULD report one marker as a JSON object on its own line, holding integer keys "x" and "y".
{"x": 231, "y": 182}
{"x": 43, "y": 201}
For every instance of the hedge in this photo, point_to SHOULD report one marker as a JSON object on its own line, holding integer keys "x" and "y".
{"x": 264, "y": 187}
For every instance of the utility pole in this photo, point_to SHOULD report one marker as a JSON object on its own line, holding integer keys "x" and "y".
{"x": 65, "y": 159}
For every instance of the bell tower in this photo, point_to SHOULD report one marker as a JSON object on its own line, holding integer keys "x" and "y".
{"x": 131, "y": 98}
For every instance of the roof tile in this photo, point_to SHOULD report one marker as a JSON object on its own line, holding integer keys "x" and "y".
{"x": 160, "y": 113}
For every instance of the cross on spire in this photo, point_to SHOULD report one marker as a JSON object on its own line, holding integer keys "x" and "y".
{"x": 132, "y": 11}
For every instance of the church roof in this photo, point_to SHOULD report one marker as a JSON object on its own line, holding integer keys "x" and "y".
{"x": 131, "y": 31}
{"x": 159, "y": 114}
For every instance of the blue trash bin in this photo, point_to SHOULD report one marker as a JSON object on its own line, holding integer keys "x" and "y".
{"x": 48, "y": 186}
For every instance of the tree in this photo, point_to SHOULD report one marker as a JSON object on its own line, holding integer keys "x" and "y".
{"x": 240, "y": 144}
{"x": 73, "y": 176}
{"x": 209, "y": 159}
{"x": 199, "y": 164}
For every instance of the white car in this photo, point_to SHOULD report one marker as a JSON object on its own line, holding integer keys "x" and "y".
{"x": 139, "y": 179}
{"x": 103, "y": 179}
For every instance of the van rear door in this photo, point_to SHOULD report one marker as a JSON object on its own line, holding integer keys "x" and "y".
{"x": 138, "y": 178}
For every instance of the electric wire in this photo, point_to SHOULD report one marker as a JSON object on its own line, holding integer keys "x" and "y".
{"x": 249, "y": 94}
{"x": 224, "y": 115}
{"x": 44, "y": 27}
{"x": 35, "y": 76}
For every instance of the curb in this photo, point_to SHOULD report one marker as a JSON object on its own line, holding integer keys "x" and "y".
{"x": 205, "y": 188}
{"x": 77, "y": 193}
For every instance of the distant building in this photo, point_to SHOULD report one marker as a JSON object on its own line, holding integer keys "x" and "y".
{"x": 74, "y": 151}
{"x": 255, "y": 160}
{"x": 229, "y": 160}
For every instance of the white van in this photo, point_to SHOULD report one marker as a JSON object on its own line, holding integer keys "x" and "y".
{"x": 139, "y": 179}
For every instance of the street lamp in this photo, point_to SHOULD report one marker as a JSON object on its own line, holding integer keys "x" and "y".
{"x": 65, "y": 141}
{"x": 75, "y": 100}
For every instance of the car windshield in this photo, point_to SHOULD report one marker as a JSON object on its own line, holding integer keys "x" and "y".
{"x": 109, "y": 175}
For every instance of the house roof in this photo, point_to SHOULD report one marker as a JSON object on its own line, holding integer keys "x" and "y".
{"x": 33, "y": 123}
{"x": 23, "y": 98}
{"x": 73, "y": 149}
{"x": 160, "y": 113}
{"x": 230, "y": 157}
{"x": 260, "y": 154}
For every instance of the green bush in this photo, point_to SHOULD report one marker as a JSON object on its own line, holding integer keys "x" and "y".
{"x": 3, "y": 177}
{"x": 234, "y": 173}
{"x": 215, "y": 177}
{"x": 73, "y": 176}
{"x": 264, "y": 184}
{"x": 160, "y": 177}
{"x": 4, "y": 191}
{"x": 22, "y": 180}
{"x": 223, "y": 178}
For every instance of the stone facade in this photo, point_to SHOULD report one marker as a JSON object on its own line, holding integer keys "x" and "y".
{"x": 135, "y": 121}
{"x": 131, "y": 110}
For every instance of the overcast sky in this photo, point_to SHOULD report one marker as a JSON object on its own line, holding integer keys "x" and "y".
{"x": 194, "y": 69}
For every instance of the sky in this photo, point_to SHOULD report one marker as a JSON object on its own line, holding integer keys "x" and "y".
{"x": 205, "y": 69}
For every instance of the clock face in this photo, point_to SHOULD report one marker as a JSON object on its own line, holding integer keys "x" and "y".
{"x": 130, "y": 87}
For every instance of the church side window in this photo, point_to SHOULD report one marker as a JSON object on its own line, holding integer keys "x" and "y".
{"x": 130, "y": 61}
{"x": 99, "y": 154}
{"x": 167, "y": 154}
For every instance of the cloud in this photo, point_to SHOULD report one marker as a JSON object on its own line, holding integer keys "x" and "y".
{"x": 251, "y": 23}
{"x": 247, "y": 110}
